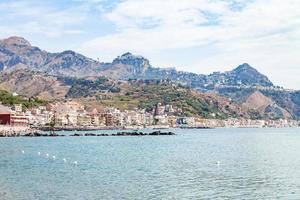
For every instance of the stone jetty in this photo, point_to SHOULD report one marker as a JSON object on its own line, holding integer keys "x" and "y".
{"x": 40, "y": 134}
{"x": 124, "y": 133}
{"x": 36, "y": 133}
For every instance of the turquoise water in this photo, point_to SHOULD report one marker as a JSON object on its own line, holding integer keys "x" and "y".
{"x": 194, "y": 164}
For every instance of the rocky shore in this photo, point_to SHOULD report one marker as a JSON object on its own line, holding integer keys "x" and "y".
{"x": 10, "y": 131}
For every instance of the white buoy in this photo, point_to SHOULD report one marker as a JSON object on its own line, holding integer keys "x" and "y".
{"x": 23, "y": 151}
{"x": 218, "y": 163}
{"x": 53, "y": 157}
{"x": 75, "y": 163}
{"x": 39, "y": 153}
{"x": 65, "y": 160}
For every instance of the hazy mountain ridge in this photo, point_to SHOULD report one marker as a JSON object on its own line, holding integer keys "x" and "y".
{"x": 16, "y": 52}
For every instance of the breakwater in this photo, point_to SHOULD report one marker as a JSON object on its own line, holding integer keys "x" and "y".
{"x": 134, "y": 133}
{"x": 53, "y": 134}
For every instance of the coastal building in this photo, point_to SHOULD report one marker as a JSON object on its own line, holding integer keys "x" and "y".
{"x": 172, "y": 121}
{"x": 159, "y": 110}
{"x": 5, "y": 115}
{"x": 19, "y": 120}
{"x": 67, "y": 113}
{"x": 8, "y": 117}
{"x": 60, "y": 119}
{"x": 42, "y": 119}
{"x": 108, "y": 117}
{"x": 84, "y": 120}
{"x": 161, "y": 120}
{"x": 18, "y": 108}
{"x": 149, "y": 119}
{"x": 95, "y": 118}
{"x": 73, "y": 114}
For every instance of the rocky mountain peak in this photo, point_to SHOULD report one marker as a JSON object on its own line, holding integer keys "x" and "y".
{"x": 137, "y": 65}
{"x": 130, "y": 59}
{"x": 244, "y": 68}
{"x": 69, "y": 52}
{"x": 17, "y": 41}
{"x": 129, "y": 55}
{"x": 248, "y": 75}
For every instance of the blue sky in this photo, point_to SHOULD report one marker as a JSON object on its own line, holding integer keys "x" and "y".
{"x": 200, "y": 36}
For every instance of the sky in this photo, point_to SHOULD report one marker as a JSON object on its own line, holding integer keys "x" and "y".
{"x": 200, "y": 36}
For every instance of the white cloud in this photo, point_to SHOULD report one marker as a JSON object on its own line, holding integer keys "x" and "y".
{"x": 31, "y": 17}
{"x": 262, "y": 32}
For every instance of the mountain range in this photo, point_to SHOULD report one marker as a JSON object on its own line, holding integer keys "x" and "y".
{"x": 40, "y": 73}
{"x": 17, "y": 53}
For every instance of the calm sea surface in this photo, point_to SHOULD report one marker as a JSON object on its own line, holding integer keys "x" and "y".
{"x": 194, "y": 164}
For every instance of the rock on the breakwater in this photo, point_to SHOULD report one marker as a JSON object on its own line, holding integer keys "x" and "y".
{"x": 161, "y": 133}
{"x": 90, "y": 134}
{"x": 135, "y": 133}
{"x": 142, "y": 134}
{"x": 103, "y": 134}
{"x": 77, "y": 135}
{"x": 38, "y": 134}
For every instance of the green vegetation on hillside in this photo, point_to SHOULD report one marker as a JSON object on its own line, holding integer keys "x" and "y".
{"x": 237, "y": 94}
{"x": 148, "y": 95}
{"x": 181, "y": 98}
{"x": 7, "y": 98}
{"x": 87, "y": 88}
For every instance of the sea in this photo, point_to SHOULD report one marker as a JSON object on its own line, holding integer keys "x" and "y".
{"x": 223, "y": 163}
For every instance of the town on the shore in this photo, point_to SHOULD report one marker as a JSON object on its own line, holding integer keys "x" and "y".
{"x": 72, "y": 115}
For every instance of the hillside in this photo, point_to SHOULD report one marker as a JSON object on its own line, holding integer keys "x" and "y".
{"x": 30, "y": 71}
{"x": 80, "y": 87}
{"x": 276, "y": 103}
{"x": 146, "y": 95}
{"x": 101, "y": 92}
{"x": 33, "y": 84}
{"x": 266, "y": 106}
